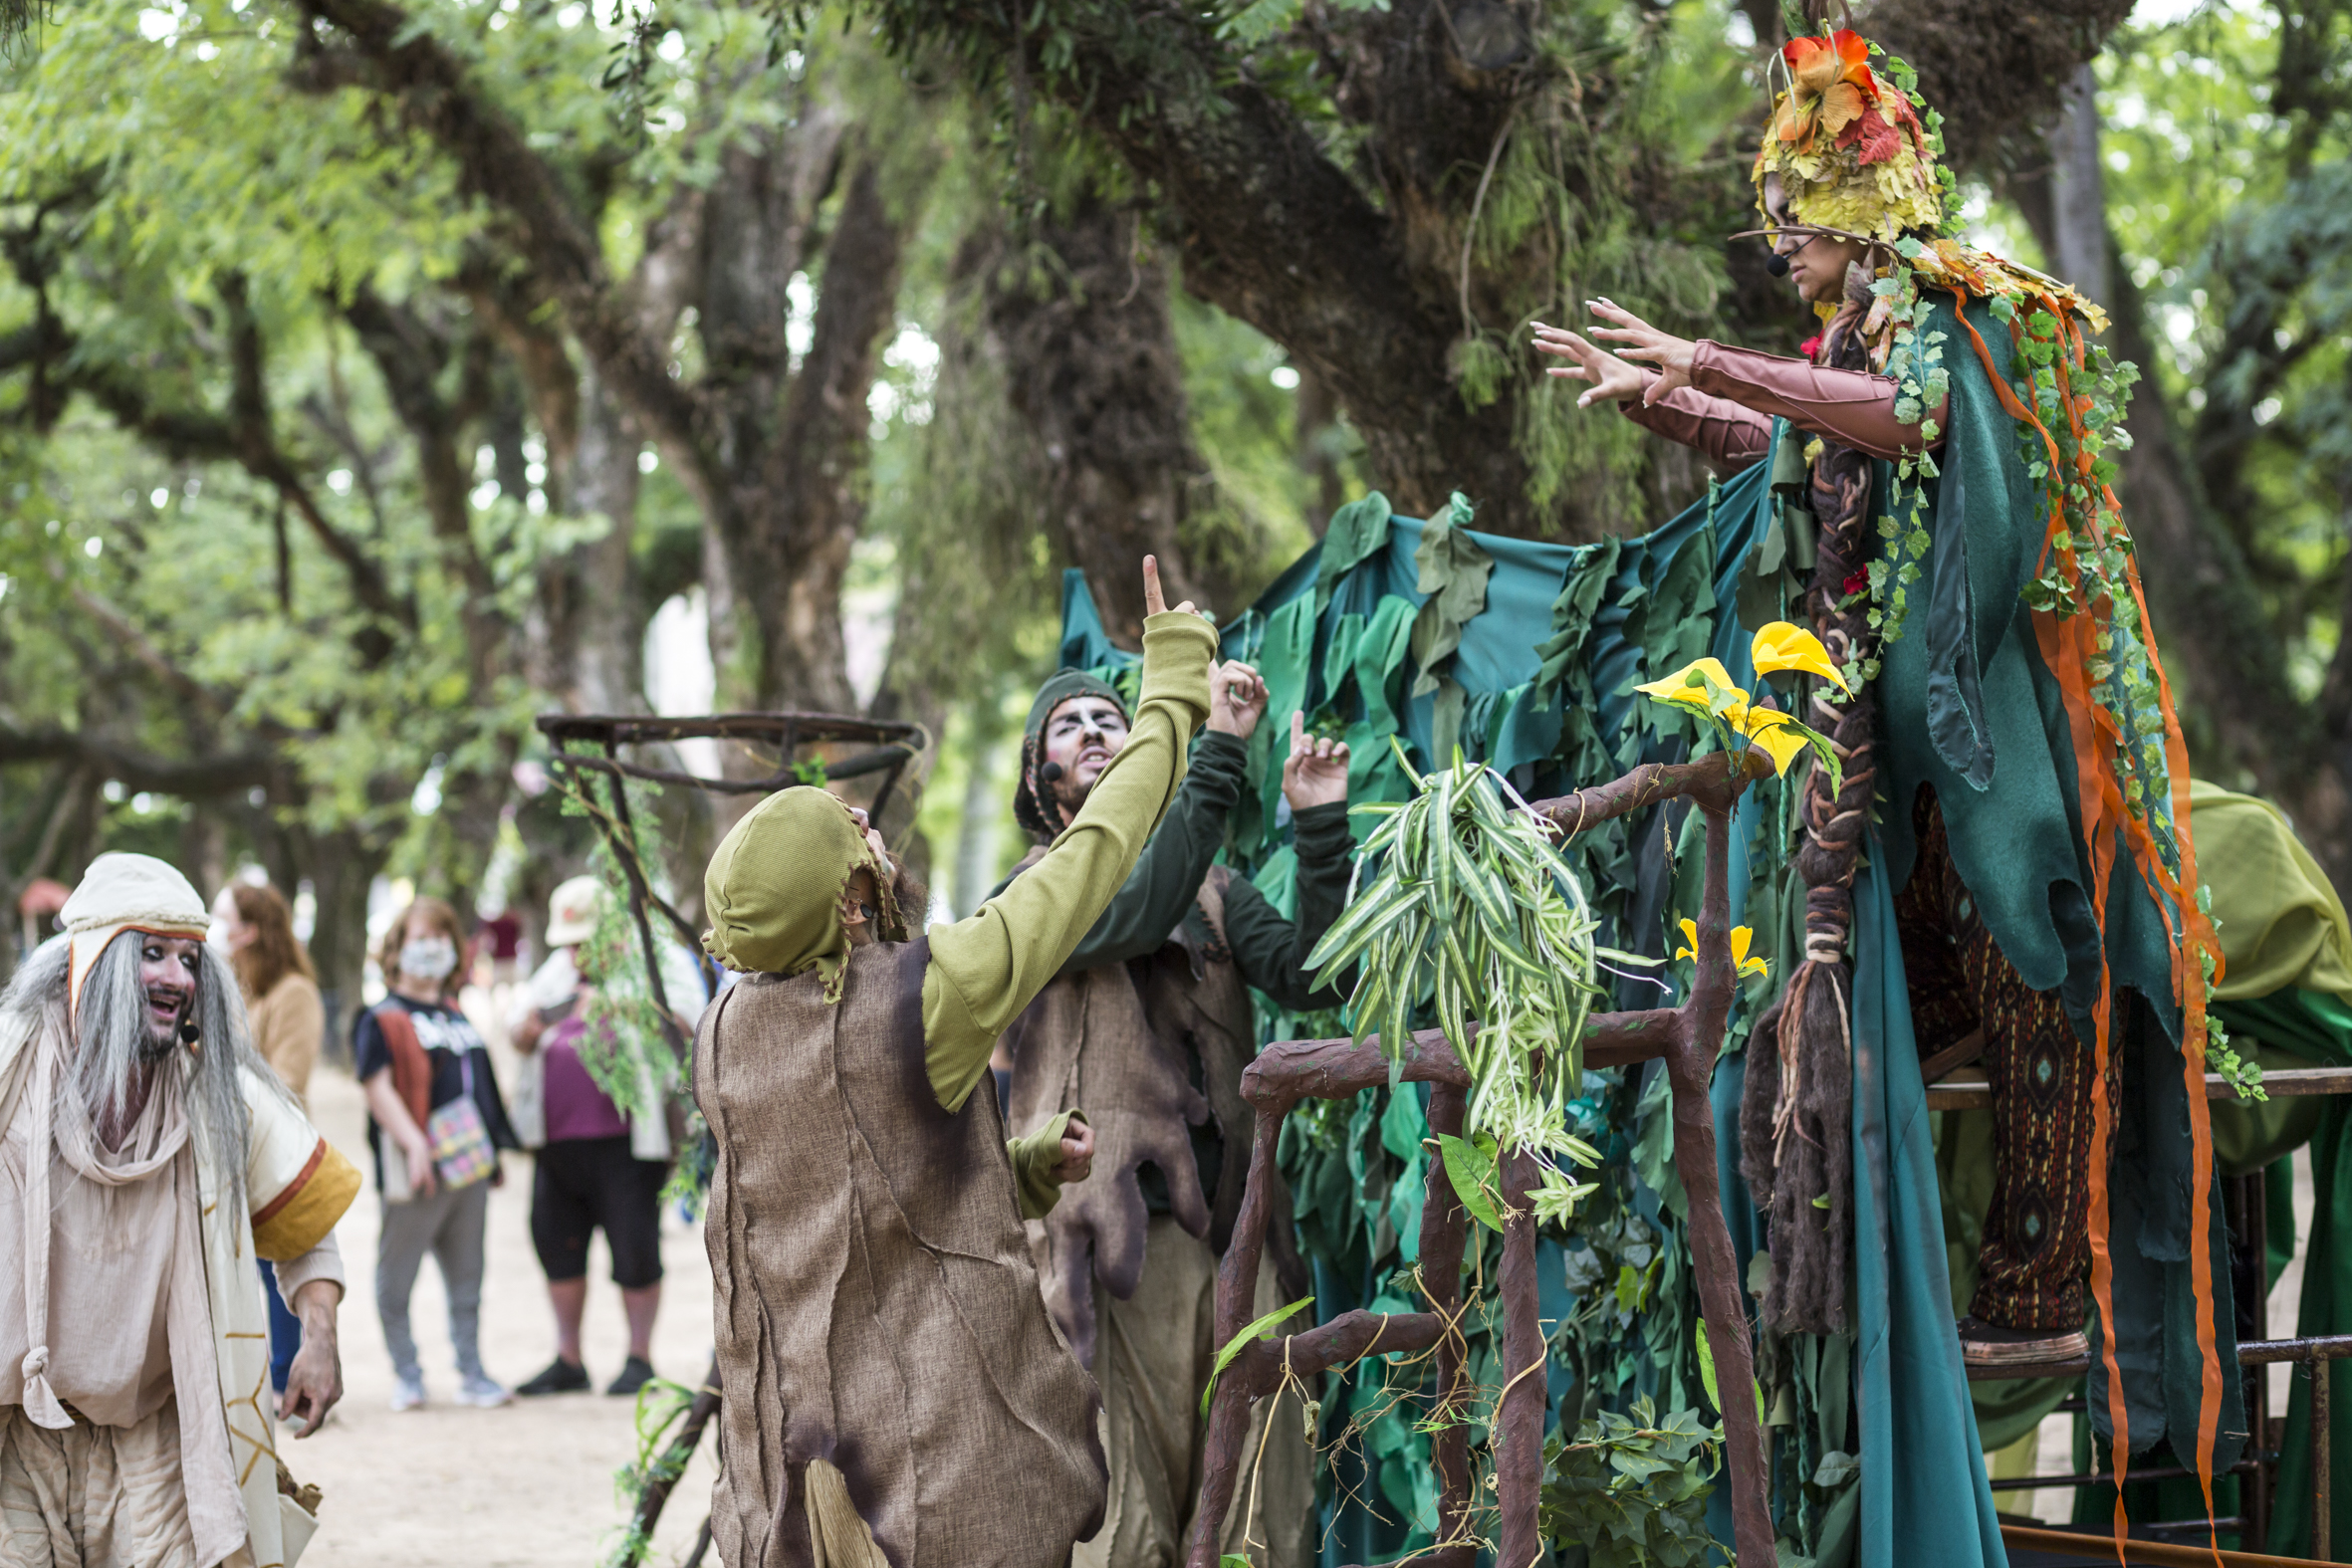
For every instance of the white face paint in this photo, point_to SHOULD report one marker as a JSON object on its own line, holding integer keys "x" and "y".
{"x": 429, "y": 957}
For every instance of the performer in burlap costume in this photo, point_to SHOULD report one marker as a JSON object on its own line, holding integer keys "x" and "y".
{"x": 894, "y": 1387}
{"x": 1149, "y": 1025}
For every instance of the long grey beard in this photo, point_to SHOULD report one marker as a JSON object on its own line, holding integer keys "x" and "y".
{"x": 112, "y": 1046}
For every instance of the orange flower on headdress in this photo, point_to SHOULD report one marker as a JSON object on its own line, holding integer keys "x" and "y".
{"x": 1831, "y": 85}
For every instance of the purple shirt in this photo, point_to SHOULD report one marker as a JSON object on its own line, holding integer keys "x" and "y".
{"x": 576, "y": 1109}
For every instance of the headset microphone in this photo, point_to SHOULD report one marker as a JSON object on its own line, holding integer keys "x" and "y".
{"x": 190, "y": 1034}
{"x": 1777, "y": 264}
{"x": 1050, "y": 772}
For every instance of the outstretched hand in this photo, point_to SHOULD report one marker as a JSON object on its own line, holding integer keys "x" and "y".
{"x": 1317, "y": 771}
{"x": 1613, "y": 379}
{"x": 1638, "y": 340}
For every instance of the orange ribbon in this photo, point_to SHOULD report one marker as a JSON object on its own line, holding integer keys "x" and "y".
{"x": 2067, "y": 648}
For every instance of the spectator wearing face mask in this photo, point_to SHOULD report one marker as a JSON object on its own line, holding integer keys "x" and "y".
{"x": 435, "y": 1124}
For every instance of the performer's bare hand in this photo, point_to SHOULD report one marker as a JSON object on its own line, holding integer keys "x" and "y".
{"x": 1613, "y": 379}
{"x": 1237, "y": 700}
{"x": 1078, "y": 1154}
{"x": 1316, "y": 772}
{"x": 1154, "y": 602}
{"x": 1638, "y": 340}
{"x": 315, "y": 1382}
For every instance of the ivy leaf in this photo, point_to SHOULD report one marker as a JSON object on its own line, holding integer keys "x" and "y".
{"x": 1471, "y": 1168}
{"x": 1232, "y": 1346}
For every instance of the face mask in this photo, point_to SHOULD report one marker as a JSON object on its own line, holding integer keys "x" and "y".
{"x": 429, "y": 957}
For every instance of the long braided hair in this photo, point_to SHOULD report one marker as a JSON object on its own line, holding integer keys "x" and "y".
{"x": 1795, "y": 1110}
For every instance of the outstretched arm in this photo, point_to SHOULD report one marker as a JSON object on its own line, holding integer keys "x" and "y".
{"x": 1856, "y": 407}
{"x": 1725, "y": 434}
{"x": 986, "y": 968}
{"x": 1270, "y": 951}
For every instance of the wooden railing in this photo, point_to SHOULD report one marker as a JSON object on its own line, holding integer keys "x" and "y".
{"x": 1687, "y": 1038}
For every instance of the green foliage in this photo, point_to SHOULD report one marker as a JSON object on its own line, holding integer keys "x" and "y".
{"x": 661, "y": 1406}
{"x": 1473, "y": 909}
{"x": 1631, "y": 1491}
{"x": 1262, "y": 1328}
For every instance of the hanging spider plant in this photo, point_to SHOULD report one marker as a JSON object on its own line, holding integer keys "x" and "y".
{"x": 1473, "y": 911}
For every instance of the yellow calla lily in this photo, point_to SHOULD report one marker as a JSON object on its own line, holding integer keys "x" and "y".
{"x": 1785, "y": 646}
{"x": 1770, "y": 729}
{"x": 1684, "y": 687}
{"x": 1742, "y": 936}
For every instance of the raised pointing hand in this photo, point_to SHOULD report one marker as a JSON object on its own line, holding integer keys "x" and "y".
{"x": 1154, "y": 602}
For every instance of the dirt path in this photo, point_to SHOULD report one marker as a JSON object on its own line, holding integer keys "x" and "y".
{"x": 526, "y": 1486}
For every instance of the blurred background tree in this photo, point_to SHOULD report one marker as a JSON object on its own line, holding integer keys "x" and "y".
{"x": 375, "y": 374}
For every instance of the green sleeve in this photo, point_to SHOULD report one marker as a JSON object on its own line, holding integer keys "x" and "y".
{"x": 1160, "y": 891}
{"x": 986, "y": 968}
{"x": 1270, "y": 951}
{"x": 1033, "y": 1158}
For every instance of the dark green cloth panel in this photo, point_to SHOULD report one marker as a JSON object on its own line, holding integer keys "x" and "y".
{"x": 2017, "y": 838}
{"x": 1908, "y": 1384}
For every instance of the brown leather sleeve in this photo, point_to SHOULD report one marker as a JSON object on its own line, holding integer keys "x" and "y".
{"x": 1725, "y": 434}
{"x": 1856, "y": 407}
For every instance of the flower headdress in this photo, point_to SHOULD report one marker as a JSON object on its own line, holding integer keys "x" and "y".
{"x": 1849, "y": 143}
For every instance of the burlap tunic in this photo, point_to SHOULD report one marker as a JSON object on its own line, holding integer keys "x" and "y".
{"x": 963, "y": 1425}
{"x": 1127, "y": 1041}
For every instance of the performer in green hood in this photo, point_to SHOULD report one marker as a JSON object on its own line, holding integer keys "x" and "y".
{"x": 895, "y": 1389}
{"x": 1149, "y": 1025}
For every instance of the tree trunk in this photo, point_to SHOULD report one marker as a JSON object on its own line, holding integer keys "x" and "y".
{"x": 1317, "y": 437}
{"x": 977, "y": 835}
{"x": 1082, "y": 322}
{"x": 340, "y": 868}
{"x": 588, "y": 630}
{"x": 794, "y": 508}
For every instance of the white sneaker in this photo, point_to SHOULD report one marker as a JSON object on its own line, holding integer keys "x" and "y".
{"x": 481, "y": 1393}
{"x": 407, "y": 1393}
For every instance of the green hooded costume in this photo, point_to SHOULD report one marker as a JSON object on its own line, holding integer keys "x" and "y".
{"x": 878, "y": 1311}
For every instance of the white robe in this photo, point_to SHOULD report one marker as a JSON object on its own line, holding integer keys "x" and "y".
{"x": 296, "y": 1187}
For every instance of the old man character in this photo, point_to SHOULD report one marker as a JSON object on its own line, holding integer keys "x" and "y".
{"x": 148, "y": 1157}
{"x": 895, "y": 1389}
{"x": 1149, "y": 1025}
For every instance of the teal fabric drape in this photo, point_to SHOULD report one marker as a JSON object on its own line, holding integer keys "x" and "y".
{"x": 1933, "y": 1506}
{"x": 1543, "y": 675}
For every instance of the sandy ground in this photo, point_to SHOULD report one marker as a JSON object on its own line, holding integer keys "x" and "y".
{"x": 520, "y": 1487}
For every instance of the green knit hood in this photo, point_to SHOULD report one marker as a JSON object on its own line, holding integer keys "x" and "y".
{"x": 773, "y": 891}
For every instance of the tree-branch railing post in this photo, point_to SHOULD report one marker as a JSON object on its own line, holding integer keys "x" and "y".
{"x": 1687, "y": 1038}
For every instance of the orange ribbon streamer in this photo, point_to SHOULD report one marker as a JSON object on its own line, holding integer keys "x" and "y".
{"x": 2067, "y": 648}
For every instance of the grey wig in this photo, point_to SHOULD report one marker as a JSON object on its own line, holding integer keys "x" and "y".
{"x": 112, "y": 1037}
